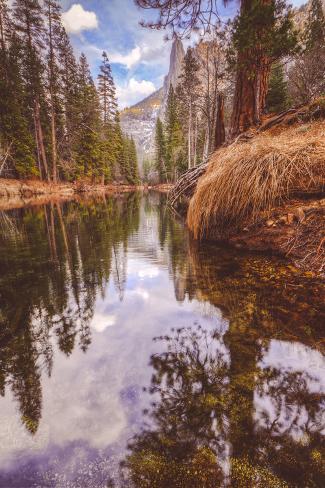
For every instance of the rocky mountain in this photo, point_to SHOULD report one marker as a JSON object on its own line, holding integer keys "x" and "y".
{"x": 139, "y": 121}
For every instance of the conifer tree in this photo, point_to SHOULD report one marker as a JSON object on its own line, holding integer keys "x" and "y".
{"x": 29, "y": 25}
{"x": 70, "y": 101}
{"x": 118, "y": 150}
{"x": 108, "y": 103}
{"x": 315, "y": 28}
{"x": 160, "y": 157}
{"x": 174, "y": 136}
{"x": 87, "y": 145}
{"x": 188, "y": 94}
{"x": 277, "y": 96}
{"x": 107, "y": 91}
{"x": 51, "y": 112}
{"x": 53, "y": 30}
{"x": 133, "y": 163}
{"x": 15, "y": 137}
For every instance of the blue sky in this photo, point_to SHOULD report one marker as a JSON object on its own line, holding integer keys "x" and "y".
{"x": 139, "y": 56}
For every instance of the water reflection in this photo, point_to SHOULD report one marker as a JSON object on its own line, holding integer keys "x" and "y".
{"x": 235, "y": 397}
{"x": 54, "y": 261}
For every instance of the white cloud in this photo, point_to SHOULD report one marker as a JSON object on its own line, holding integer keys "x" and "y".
{"x": 101, "y": 321}
{"x": 134, "y": 91}
{"x": 129, "y": 60}
{"x": 139, "y": 54}
{"x": 77, "y": 19}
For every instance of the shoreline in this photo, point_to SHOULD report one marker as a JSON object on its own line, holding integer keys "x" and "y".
{"x": 20, "y": 193}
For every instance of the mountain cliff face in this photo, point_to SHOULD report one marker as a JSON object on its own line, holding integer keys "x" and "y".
{"x": 139, "y": 121}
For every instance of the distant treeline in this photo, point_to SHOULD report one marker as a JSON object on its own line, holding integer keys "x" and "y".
{"x": 55, "y": 123}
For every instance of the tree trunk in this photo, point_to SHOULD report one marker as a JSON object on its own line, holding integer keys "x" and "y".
{"x": 253, "y": 69}
{"x": 195, "y": 141}
{"x": 53, "y": 124}
{"x": 220, "y": 133}
{"x": 189, "y": 137}
{"x": 40, "y": 138}
{"x": 37, "y": 148}
{"x": 54, "y": 144}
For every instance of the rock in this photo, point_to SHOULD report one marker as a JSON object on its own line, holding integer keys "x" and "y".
{"x": 270, "y": 223}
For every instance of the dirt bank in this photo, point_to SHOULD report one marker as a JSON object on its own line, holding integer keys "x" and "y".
{"x": 20, "y": 193}
{"x": 295, "y": 230}
{"x": 266, "y": 193}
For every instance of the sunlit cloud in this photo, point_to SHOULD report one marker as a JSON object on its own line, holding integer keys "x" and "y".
{"x": 129, "y": 60}
{"x": 77, "y": 19}
{"x": 134, "y": 91}
{"x": 101, "y": 321}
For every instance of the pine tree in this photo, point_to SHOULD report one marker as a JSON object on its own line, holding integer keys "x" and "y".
{"x": 88, "y": 146}
{"x": 29, "y": 25}
{"x": 70, "y": 102}
{"x": 133, "y": 163}
{"x": 188, "y": 94}
{"x": 107, "y": 91}
{"x": 53, "y": 32}
{"x": 15, "y": 136}
{"x": 174, "y": 137}
{"x": 108, "y": 103}
{"x": 315, "y": 28}
{"x": 277, "y": 96}
{"x": 160, "y": 157}
{"x": 120, "y": 162}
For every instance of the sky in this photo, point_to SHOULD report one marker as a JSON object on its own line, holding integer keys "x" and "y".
{"x": 139, "y": 57}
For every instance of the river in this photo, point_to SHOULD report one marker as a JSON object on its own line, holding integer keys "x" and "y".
{"x": 131, "y": 356}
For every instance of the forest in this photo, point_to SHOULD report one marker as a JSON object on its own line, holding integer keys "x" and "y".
{"x": 56, "y": 123}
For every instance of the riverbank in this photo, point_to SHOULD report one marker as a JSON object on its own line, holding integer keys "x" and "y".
{"x": 265, "y": 192}
{"x": 20, "y": 193}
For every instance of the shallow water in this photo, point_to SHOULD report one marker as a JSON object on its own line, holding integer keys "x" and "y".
{"x": 132, "y": 357}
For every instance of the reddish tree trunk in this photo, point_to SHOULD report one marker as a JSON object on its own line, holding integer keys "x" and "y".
{"x": 220, "y": 133}
{"x": 253, "y": 69}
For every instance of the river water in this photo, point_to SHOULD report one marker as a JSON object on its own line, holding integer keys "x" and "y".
{"x": 130, "y": 356}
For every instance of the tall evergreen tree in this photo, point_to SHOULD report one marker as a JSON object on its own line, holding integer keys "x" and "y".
{"x": 133, "y": 163}
{"x": 277, "y": 97}
{"x": 29, "y": 24}
{"x": 53, "y": 31}
{"x": 87, "y": 145}
{"x": 108, "y": 105}
{"x": 315, "y": 28}
{"x": 16, "y": 140}
{"x": 174, "y": 136}
{"x": 70, "y": 102}
{"x": 107, "y": 91}
{"x": 188, "y": 94}
{"x": 160, "y": 157}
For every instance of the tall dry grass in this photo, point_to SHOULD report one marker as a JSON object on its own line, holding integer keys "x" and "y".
{"x": 246, "y": 178}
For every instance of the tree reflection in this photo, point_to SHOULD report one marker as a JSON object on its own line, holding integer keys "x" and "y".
{"x": 204, "y": 426}
{"x": 201, "y": 429}
{"x": 54, "y": 262}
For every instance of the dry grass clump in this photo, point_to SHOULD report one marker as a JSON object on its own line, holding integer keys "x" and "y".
{"x": 244, "y": 179}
